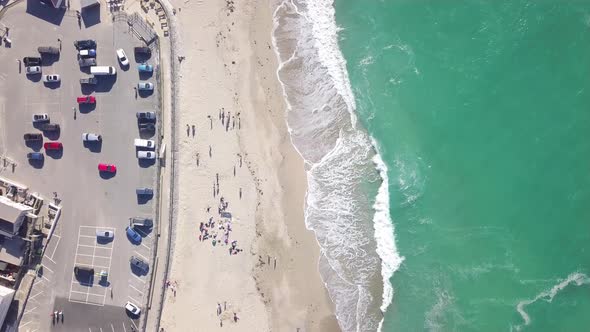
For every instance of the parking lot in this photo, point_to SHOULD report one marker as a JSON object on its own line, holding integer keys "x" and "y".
{"x": 90, "y": 200}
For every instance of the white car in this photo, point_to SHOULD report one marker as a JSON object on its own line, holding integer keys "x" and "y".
{"x": 90, "y": 53}
{"x": 122, "y": 57}
{"x": 54, "y": 78}
{"x": 33, "y": 70}
{"x": 146, "y": 115}
{"x": 41, "y": 117}
{"x": 145, "y": 86}
{"x": 132, "y": 308}
{"x": 104, "y": 234}
{"x": 145, "y": 143}
{"x": 90, "y": 137}
{"x": 146, "y": 155}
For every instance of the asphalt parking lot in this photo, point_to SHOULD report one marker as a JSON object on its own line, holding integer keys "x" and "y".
{"x": 90, "y": 200}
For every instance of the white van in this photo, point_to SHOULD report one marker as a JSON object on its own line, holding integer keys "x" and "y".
{"x": 145, "y": 143}
{"x": 103, "y": 70}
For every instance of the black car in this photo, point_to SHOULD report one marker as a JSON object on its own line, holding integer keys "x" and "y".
{"x": 85, "y": 44}
{"x": 139, "y": 264}
{"x": 147, "y": 126}
{"x": 89, "y": 80}
{"x": 31, "y": 61}
{"x": 33, "y": 137}
{"x": 87, "y": 62}
{"x": 146, "y": 51}
{"x": 50, "y": 127}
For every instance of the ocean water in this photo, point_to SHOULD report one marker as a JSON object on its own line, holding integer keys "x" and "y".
{"x": 448, "y": 159}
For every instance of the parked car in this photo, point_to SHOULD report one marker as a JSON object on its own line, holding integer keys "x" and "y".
{"x": 89, "y": 80}
{"x": 85, "y": 44}
{"x": 33, "y": 137}
{"x": 53, "y": 78}
{"x": 146, "y": 115}
{"x": 31, "y": 61}
{"x": 33, "y": 70}
{"x": 35, "y": 156}
{"x": 146, "y": 51}
{"x": 86, "y": 100}
{"x": 132, "y": 308}
{"x": 42, "y": 117}
{"x": 139, "y": 264}
{"x": 48, "y": 50}
{"x": 132, "y": 234}
{"x": 86, "y": 62}
{"x": 109, "y": 168}
{"x": 147, "y": 126}
{"x": 122, "y": 57}
{"x": 141, "y": 222}
{"x": 145, "y": 68}
{"x": 49, "y": 127}
{"x": 146, "y": 155}
{"x": 89, "y": 53}
{"x": 53, "y": 146}
{"x": 80, "y": 270}
{"x": 104, "y": 234}
{"x": 144, "y": 191}
{"x": 146, "y": 86}
{"x": 144, "y": 143}
{"x": 90, "y": 137}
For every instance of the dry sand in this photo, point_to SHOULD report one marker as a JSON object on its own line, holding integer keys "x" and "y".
{"x": 230, "y": 66}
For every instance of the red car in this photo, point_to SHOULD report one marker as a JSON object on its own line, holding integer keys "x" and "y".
{"x": 107, "y": 168}
{"x": 53, "y": 146}
{"x": 86, "y": 100}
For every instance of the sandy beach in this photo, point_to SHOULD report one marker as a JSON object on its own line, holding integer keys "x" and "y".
{"x": 242, "y": 258}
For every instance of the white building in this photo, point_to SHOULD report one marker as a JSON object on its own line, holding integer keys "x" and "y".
{"x": 12, "y": 216}
{"x": 6, "y": 295}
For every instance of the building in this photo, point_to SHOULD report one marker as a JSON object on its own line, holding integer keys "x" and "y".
{"x": 6, "y": 295}
{"x": 12, "y": 216}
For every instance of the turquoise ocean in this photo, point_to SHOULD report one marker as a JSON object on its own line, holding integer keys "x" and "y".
{"x": 448, "y": 159}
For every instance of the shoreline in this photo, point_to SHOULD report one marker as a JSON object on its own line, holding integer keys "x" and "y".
{"x": 232, "y": 68}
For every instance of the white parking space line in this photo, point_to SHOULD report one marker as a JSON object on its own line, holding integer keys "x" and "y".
{"x": 140, "y": 255}
{"x": 45, "y": 267}
{"x": 26, "y": 312}
{"x": 84, "y": 245}
{"x": 85, "y": 302}
{"x": 34, "y": 296}
{"x": 138, "y": 278}
{"x": 25, "y": 324}
{"x": 136, "y": 289}
{"x": 91, "y": 236}
{"x": 112, "y": 328}
{"x": 94, "y": 256}
{"x": 50, "y": 258}
{"x": 54, "y": 249}
{"x": 143, "y": 245}
{"x": 134, "y": 300}
{"x": 124, "y": 328}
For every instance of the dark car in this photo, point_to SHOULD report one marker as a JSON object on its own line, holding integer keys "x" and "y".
{"x": 146, "y": 51}
{"x": 50, "y": 127}
{"x": 87, "y": 62}
{"x": 33, "y": 137}
{"x": 85, "y": 44}
{"x": 35, "y": 156}
{"x": 89, "y": 80}
{"x": 141, "y": 222}
{"x": 30, "y": 61}
{"x": 139, "y": 264}
{"x": 147, "y": 126}
{"x": 80, "y": 270}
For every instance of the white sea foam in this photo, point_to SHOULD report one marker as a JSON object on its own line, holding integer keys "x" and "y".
{"x": 576, "y": 278}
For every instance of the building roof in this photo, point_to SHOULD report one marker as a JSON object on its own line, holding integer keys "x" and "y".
{"x": 12, "y": 251}
{"x": 5, "y": 291}
{"x": 56, "y": 3}
{"x": 10, "y": 211}
{"x": 85, "y": 4}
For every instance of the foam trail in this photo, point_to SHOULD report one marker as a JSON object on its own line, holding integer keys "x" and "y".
{"x": 578, "y": 279}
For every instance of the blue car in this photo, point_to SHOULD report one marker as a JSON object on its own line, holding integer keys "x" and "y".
{"x": 145, "y": 68}
{"x": 132, "y": 234}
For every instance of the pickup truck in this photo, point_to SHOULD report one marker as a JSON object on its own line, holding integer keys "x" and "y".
{"x": 144, "y": 143}
{"x": 33, "y": 137}
{"x": 89, "y": 80}
{"x": 49, "y": 127}
{"x": 87, "y": 62}
{"x": 141, "y": 222}
{"x": 30, "y": 61}
{"x": 48, "y": 50}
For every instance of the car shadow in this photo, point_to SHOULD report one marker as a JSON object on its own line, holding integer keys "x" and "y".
{"x": 145, "y": 93}
{"x": 34, "y": 77}
{"x": 85, "y": 70}
{"x": 91, "y": 16}
{"x": 139, "y": 272}
{"x": 145, "y": 163}
{"x": 143, "y": 231}
{"x": 104, "y": 240}
{"x": 34, "y": 145}
{"x": 52, "y": 134}
{"x": 95, "y": 147}
{"x": 87, "y": 280}
{"x": 106, "y": 175}
{"x": 141, "y": 58}
{"x": 123, "y": 67}
{"x": 105, "y": 83}
{"x": 52, "y": 85}
{"x": 144, "y": 199}
{"x": 36, "y": 163}
{"x": 86, "y": 108}
{"x": 55, "y": 154}
{"x": 49, "y": 59}
{"x": 144, "y": 75}
{"x": 87, "y": 89}
{"x": 145, "y": 134}
{"x": 104, "y": 282}
{"x": 45, "y": 11}
{"x": 131, "y": 316}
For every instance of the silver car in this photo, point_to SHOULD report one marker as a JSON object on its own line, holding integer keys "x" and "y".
{"x": 33, "y": 70}
{"x": 90, "y": 137}
{"x": 145, "y": 86}
{"x": 146, "y": 155}
{"x": 132, "y": 308}
{"x": 53, "y": 78}
{"x": 104, "y": 234}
